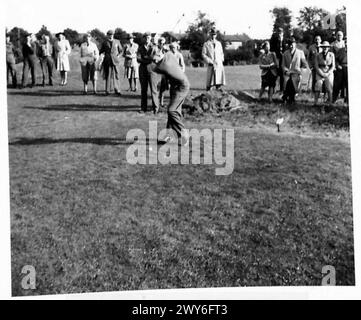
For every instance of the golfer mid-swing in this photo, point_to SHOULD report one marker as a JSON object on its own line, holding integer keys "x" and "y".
{"x": 167, "y": 64}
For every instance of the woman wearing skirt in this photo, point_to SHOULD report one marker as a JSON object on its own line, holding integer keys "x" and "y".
{"x": 269, "y": 66}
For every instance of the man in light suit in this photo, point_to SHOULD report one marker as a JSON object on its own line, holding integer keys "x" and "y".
{"x": 293, "y": 61}
{"x": 112, "y": 50}
{"x": 212, "y": 54}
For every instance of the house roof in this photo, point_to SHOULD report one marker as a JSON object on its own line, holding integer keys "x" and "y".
{"x": 236, "y": 37}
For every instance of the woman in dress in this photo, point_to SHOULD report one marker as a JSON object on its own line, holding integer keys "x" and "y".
{"x": 63, "y": 50}
{"x": 130, "y": 63}
{"x": 269, "y": 67}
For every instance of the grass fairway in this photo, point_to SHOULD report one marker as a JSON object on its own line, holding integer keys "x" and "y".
{"x": 89, "y": 221}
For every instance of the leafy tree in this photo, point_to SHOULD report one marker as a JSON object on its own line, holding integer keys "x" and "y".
{"x": 138, "y": 37}
{"x": 98, "y": 36}
{"x": 197, "y": 34}
{"x": 169, "y": 36}
{"x": 341, "y": 20}
{"x": 282, "y": 17}
{"x": 121, "y": 35}
{"x": 310, "y": 18}
{"x": 72, "y": 36}
{"x": 17, "y": 36}
{"x": 43, "y": 30}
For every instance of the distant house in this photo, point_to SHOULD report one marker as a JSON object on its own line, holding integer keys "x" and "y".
{"x": 235, "y": 41}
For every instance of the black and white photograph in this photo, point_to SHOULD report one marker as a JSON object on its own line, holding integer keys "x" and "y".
{"x": 192, "y": 145}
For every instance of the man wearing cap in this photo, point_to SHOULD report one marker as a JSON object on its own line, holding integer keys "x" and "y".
{"x": 293, "y": 60}
{"x": 131, "y": 63}
{"x": 145, "y": 60}
{"x": 89, "y": 54}
{"x": 325, "y": 65}
{"x": 112, "y": 50}
{"x": 212, "y": 54}
{"x": 10, "y": 62}
{"x": 164, "y": 85}
{"x": 278, "y": 46}
{"x": 313, "y": 51}
{"x": 166, "y": 64}
{"x": 29, "y": 55}
{"x": 45, "y": 53}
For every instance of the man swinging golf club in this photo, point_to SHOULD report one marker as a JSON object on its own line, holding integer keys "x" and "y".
{"x": 165, "y": 63}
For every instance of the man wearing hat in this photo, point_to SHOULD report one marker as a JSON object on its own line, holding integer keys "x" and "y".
{"x": 212, "y": 54}
{"x": 293, "y": 60}
{"x": 112, "y": 50}
{"x": 131, "y": 63}
{"x": 29, "y": 55}
{"x": 278, "y": 46}
{"x": 89, "y": 54}
{"x": 10, "y": 61}
{"x": 145, "y": 60}
{"x": 325, "y": 66}
{"x": 45, "y": 53}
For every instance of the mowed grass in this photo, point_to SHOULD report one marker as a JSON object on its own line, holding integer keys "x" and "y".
{"x": 89, "y": 221}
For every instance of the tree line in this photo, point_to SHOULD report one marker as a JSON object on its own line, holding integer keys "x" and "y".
{"x": 310, "y": 22}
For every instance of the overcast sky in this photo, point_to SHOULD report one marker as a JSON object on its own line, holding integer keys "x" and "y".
{"x": 231, "y": 16}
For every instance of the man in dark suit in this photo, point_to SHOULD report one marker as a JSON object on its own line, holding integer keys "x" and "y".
{"x": 29, "y": 55}
{"x": 278, "y": 46}
{"x": 10, "y": 61}
{"x": 147, "y": 77}
{"x": 112, "y": 50}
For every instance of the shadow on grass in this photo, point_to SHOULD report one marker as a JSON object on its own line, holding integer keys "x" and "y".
{"x": 66, "y": 93}
{"x": 86, "y": 107}
{"x": 85, "y": 140}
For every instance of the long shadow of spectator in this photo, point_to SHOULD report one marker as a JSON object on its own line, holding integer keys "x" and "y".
{"x": 85, "y": 140}
{"x": 56, "y": 93}
{"x": 85, "y": 107}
